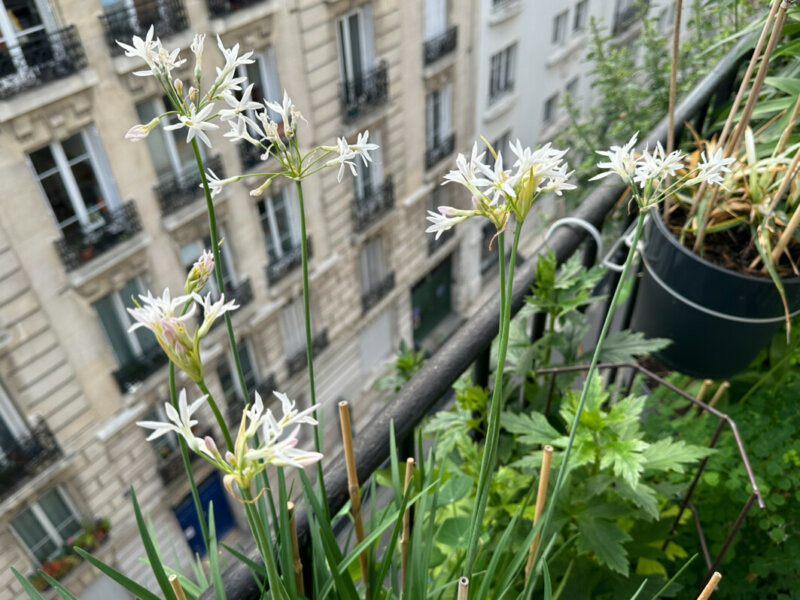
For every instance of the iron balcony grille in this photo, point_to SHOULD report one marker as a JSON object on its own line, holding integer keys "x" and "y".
{"x": 264, "y": 387}
{"x": 441, "y": 148}
{"x": 443, "y": 44}
{"x": 434, "y": 244}
{"x": 625, "y": 18}
{"x": 177, "y": 190}
{"x": 120, "y": 224}
{"x": 278, "y": 268}
{"x": 377, "y": 291}
{"x": 42, "y": 57}
{"x": 373, "y": 204}
{"x": 123, "y": 22}
{"x": 128, "y": 376}
{"x": 365, "y": 93}
{"x": 222, "y": 8}
{"x": 298, "y": 360}
{"x": 27, "y": 456}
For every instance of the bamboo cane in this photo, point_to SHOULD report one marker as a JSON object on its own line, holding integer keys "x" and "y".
{"x": 541, "y": 497}
{"x": 463, "y": 589}
{"x": 176, "y": 587}
{"x": 717, "y": 395}
{"x": 703, "y": 389}
{"x": 673, "y": 84}
{"x": 352, "y": 486}
{"x": 710, "y": 586}
{"x": 786, "y": 132}
{"x": 406, "y": 526}
{"x": 298, "y": 563}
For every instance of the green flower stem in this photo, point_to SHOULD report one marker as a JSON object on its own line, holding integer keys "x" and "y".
{"x": 198, "y": 507}
{"x": 493, "y": 427}
{"x": 562, "y": 471}
{"x": 217, "y": 414}
{"x": 262, "y": 538}
{"x": 309, "y": 354}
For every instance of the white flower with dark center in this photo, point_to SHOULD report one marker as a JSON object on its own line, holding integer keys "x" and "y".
{"x": 196, "y": 123}
{"x": 180, "y": 421}
{"x": 622, "y": 161}
{"x": 711, "y": 168}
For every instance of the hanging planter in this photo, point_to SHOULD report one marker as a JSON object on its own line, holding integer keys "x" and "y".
{"x": 717, "y": 319}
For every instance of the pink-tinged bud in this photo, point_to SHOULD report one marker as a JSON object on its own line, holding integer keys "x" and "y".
{"x": 210, "y": 444}
{"x": 200, "y": 273}
{"x": 447, "y": 211}
{"x": 230, "y": 457}
{"x": 309, "y": 459}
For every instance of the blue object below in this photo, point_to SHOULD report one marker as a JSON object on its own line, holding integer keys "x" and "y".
{"x": 210, "y": 490}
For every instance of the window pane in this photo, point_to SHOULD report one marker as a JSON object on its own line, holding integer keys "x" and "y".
{"x": 43, "y": 160}
{"x": 355, "y": 51}
{"x": 60, "y": 514}
{"x": 156, "y": 142}
{"x": 23, "y": 14}
{"x": 59, "y": 200}
{"x": 282, "y": 222}
{"x": 115, "y": 331}
{"x": 74, "y": 147}
{"x": 229, "y": 388}
{"x": 248, "y": 365}
{"x": 90, "y": 190}
{"x": 145, "y": 337}
{"x": 33, "y": 535}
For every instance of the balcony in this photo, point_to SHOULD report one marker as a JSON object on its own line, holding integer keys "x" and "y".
{"x": 40, "y": 58}
{"x": 280, "y": 267}
{"x": 26, "y": 457}
{"x": 365, "y": 93}
{"x": 122, "y": 22}
{"x": 443, "y": 44}
{"x": 298, "y": 361}
{"x": 377, "y": 291}
{"x": 115, "y": 226}
{"x": 625, "y": 17}
{"x": 264, "y": 387}
{"x": 181, "y": 189}
{"x": 441, "y": 148}
{"x": 222, "y": 8}
{"x": 129, "y": 376}
{"x": 372, "y": 205}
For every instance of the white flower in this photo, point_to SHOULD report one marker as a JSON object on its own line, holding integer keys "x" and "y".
{"x": 240, "y": 130}
{"x": 346, "y": 156}
{"x": 496, "y": 179}
{"x": 362, "y": 148}
{"x": 240, "y": 105}
{"x": 654, "y": 166}
{"x": 445, "y": 219}
{"x": 622, "y": 161}
{"x": 212, "y": 310}
{"x": 167, "y": 61}
{"x": 180, "y": 421}
{"x": 215, "y": 184}
{"x": 196, "y": 123}
{"x": 288, "y": 112}
{"x": 156, "y": 308}
{"x": 197, "y": 49}
{"x": 557, "y": 182}
{"x": 277, "y": 447}
{"x": 710, "y": 169}
{"x": 255, "y": 416}
{"x": 146, "y": 49}
{"x": 232, "y": 58}
{"x": 139, "y": 132}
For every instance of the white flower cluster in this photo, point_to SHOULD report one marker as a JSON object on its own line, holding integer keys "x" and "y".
{"x": 497, "y": 193}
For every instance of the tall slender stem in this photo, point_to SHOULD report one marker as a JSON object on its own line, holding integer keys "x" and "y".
{"x": 217, "y": 415}
{"x": 262, "y": 538}
{"x": 562, "y": 471}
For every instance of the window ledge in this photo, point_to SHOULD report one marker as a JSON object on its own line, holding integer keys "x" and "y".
{"x": 33, "y": 485}
{"x": 83, "y": 276}
{"x": 365, "y": 121}
{"x": 506, "y": 11}
{"x": 442, "y": 64}
{"x": 243, "y": 17}
{"x": 500, "y": 107}
{"x": 46, "y": 94}
{"x": 566, "y": 51}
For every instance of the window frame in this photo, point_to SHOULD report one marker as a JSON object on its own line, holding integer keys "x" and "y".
{"x": 373, "y": 267}
{"x": 286, "y": 194}
{"x": 267, "y": 68}
{"x": 45, "y": 522}
{"x": 11, "y": 37}
{"x": 502, "y": 68}
{"x": 581, "y": 13}
{"x": 291, "y": 322}
{"x": 560, "y": 24}
{"x": 123, "y": 319}
{"x": 550, "y": 110}
{"x": 366, "y": 45}
{"x": 438, "y": 116}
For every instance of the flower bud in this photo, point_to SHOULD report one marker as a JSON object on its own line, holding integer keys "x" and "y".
{"x": 200, "y": 272}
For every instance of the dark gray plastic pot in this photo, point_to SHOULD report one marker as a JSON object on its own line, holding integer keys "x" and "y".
{"x": 717, "y": 319}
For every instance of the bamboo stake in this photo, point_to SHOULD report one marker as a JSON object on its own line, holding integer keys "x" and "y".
{"x": 710, "y": 586}
{"x": 176, "y": 587}
{"x": 406, "y": 526}
{"x": 673, "y": 84}
{"x": 463, "y": 588}
{"x": 786, "y": 132}
{"x": 541, "y": 497}
{"x": 298, "y": 564}
{"x": 717, "y": 395}
{"x": 352, "y": 485}
{"x": 703, "y": 389}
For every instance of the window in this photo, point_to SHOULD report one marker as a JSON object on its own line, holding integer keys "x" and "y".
{"x": 75, "y": 178}
{"x": 171, "y": 155}
{"x": 46, "y": 524}
{"x": 438, "y": 125}
{"x": 229, "y": 380}
{"x": 356, "y": 51}
{"x": 24, "y": 25}
{"x": 572, "y": 87}
{"x": 280, "y": 222}
{"x": 501, "y": 144}
{"x": 192, "y": 251}
{"x": 373, "y": 265}
{"x": 560, "y": 28}
{"x": 263, "y": 74}
{"x": 550, "y": 108}
{"x": 293, "y": 329}
{"x": 165, "y": 444}
{"x": 127, "y": 346}
{"x": 501, "y": 72}
{"x": 435, "y": 18}
{"x": 370, "y": 176}
{"x": 581, "y": 12}
{"x": 12, "y": 425}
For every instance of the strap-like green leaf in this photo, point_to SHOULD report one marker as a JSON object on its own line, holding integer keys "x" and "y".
{"x": 127, "y": 583}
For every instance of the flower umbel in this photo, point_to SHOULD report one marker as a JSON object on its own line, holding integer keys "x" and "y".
{"x": 180, "y": 421}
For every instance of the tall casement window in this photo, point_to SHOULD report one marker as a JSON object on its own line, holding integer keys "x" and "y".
{"x": 560, "y": 28}
{"x": 128, "y": 347}
{"x": 502, "y": 72}
{"x": 370, "y": 176}
{"x": 280, "y": 222}
{"x": 293, "y": 328}
{"x": 12, "y": 426}
{"x": 24, "y": 25}
{"x": 76, "y": 180}
{"x": 263, "y": 74}
{"x": 171, "y": 155}
{"x": 581, "y": 14}
{"x": 438, "y": 116}
{"x": 373, "y": 265}
{"x": 356, "y": 51}
{"x": 45, "y": 526}
{"x": 435, "y": 18}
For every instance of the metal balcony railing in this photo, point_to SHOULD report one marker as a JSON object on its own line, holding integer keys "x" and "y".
{"x": 122, "y": 22}
{"x": 469, "y": 345}
{"x": 181, "y": 189}
{"x": 138, "y": 370}
{"x": 298, "y": 360}
{"x": 118, "y": 225}
{"x": 443, "y": 44}
{"x": 40, "y": 58}
{"x": 280, "y": 267}
{"x": 376, "y": 291}
{"x": 222, "y": 8}
{"x": 373, "y": 204}
{"x": 625, "y": 17}
{"x": 28, "y": 455}
{"x": 365, "y": 93}
{"x": 441, "y": 148}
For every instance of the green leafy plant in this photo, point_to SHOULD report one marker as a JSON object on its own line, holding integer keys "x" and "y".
{"x": 407, "y": 362}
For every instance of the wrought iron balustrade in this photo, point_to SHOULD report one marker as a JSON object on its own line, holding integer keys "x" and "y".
{"x": 133, "y": 373}
{"x": 222, "y": 8}
{"x": 177, "y": 190}
{"x": 122, "y": 21}
{"x": 365, "y": 92}
{"x": 28, "y": 455}
{"x": 298, "y": 360}
{"x": 443, "y": 44}
{"x": 377, "y": 291}
{"x": 280, "y": 266}
{"x": 39, "y": 58}
{"x": 441, "y": 148}
{"x": 372, "y": 204}
{"x": 117, "y": 225}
